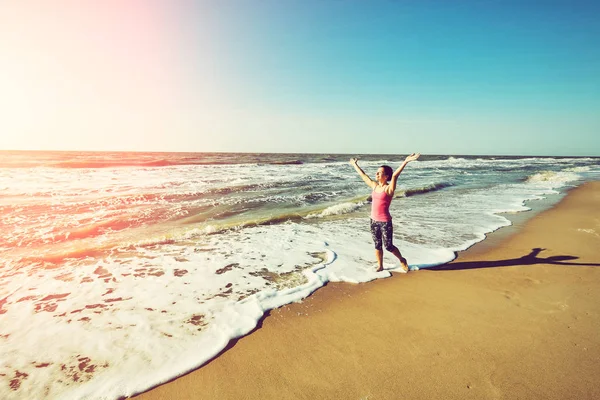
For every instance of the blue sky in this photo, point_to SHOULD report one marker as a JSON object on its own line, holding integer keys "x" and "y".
{"x": 333, "y": 76}
{"x": 384, "y": 55}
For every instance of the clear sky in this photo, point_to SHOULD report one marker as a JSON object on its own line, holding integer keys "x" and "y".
{"x": 323, "y": 76}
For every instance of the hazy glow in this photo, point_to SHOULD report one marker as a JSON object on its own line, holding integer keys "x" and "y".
{"x": 86, "y": 75}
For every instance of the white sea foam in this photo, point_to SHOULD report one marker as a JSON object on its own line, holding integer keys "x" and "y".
{"x": 150, "y": 297}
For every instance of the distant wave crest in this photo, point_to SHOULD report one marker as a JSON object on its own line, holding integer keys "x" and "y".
{"x": 577, "y": 169}
{"x": 111, "y": 164}
{"x": 291, "y": 162}
{"x": 424, "y": 189}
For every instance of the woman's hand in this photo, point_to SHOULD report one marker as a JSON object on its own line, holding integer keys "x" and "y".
{"x": 412, "y": 157}
{"x": 353, "y": 161}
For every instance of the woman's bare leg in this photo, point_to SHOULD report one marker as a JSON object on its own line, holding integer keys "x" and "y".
{"x": 403, "y": 261}
{"x": 379, "y": 257}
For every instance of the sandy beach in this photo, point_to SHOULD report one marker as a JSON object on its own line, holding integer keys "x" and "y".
{"x": 519, "y": 320}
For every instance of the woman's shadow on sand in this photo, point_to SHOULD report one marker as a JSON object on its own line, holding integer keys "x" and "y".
{"x": 528, "y": 259}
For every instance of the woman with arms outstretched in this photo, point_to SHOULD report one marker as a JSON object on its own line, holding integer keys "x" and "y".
{"x": 383, "y": 188}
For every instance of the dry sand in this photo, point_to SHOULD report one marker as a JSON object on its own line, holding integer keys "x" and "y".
{"x": 518, "y": 321}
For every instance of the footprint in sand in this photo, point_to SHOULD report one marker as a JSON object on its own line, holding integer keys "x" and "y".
{"x": 533, "y": 281}
{"x": 512, "y": 296}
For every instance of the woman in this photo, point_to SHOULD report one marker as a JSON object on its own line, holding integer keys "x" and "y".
{"x": 381, "y": 221}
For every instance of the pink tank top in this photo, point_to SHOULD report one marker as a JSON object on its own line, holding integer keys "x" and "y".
{"x": 380, "y": 207}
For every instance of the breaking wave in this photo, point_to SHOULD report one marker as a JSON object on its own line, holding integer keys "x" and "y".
{"x": 338, "y": 209}
{"x": 424, "y": 189}
{"x": 561, "y": 177}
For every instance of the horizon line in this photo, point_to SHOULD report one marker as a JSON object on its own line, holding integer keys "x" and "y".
{"x": 293, "y": 153}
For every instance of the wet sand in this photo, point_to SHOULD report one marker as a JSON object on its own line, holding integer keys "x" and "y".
{"x": 516, "y": 320}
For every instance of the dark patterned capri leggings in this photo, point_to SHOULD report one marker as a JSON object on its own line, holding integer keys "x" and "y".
{"x": 383, "y": 234}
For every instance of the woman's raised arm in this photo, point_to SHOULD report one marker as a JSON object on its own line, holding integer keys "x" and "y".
{"x": 365, "y": 177}
{"x": 391, "y": 188}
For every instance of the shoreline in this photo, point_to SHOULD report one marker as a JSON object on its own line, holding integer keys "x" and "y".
{"x": 481, "y": 331}
{"x": 517, "y": 221}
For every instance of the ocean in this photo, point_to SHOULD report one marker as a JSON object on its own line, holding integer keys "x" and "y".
{"x": 120, "y": 271}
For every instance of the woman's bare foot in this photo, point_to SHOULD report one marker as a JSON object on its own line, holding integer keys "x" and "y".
{"x": 379, "y": 268}
{"x": 404, "y": 264}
